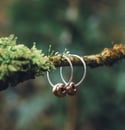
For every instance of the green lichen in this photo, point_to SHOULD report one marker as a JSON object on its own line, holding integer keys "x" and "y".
{"x": 19, "y": 63}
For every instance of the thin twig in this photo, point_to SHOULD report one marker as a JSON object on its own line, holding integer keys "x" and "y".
{"x": 107, "y": 57}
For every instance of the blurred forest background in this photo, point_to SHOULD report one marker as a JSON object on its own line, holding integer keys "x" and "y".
{"x": 83, "y": 27}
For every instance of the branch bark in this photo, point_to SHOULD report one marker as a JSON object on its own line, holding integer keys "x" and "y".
{"x": 107, "y": 57}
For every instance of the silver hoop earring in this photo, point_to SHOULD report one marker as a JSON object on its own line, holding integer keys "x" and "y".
{"x": 71, "y": 86}
{"x": 59, "y": 89}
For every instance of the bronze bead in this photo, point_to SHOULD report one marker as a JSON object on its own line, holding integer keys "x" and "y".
{"x": 59, "y": 90}
{"x": 71, "y": 89}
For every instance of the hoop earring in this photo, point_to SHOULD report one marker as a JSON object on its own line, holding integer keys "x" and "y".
{"x": 71, "y": 87}
{"x": 59, "y": 89}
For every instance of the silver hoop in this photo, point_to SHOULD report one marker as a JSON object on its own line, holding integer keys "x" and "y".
{"x": 71, "y": 76}
{"x": 83, "y": 76}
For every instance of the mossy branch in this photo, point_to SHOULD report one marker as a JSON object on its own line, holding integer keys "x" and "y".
{"x": 19, "y": 63}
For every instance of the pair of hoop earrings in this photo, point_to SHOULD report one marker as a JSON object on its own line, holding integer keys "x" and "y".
{"x": 70, "y": 87}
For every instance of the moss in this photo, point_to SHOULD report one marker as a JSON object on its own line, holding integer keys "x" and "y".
{"x": 19, "y": 63}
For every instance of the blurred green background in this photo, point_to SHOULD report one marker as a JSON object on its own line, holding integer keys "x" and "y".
{"x": 83, "y": 27}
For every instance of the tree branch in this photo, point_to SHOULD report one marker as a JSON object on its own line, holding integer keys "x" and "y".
{"x": 107, "y": 57}
{"x": 19, "y": 63}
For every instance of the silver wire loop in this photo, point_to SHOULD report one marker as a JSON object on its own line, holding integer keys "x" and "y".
{"x": 83, "y": 76}
{"x": 71, "y": 75}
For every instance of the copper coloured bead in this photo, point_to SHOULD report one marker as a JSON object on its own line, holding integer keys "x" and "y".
{"x": 71, "y": 89}
{"x": 59, "y": 90}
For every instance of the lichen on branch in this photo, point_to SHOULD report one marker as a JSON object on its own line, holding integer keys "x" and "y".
{"x": 19, "y": 63}
{"x": 107, "y": 57}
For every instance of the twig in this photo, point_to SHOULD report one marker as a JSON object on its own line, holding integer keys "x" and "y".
{"x": 107, "y": 57}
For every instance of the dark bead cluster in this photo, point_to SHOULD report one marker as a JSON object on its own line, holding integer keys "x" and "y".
{"x": 61, "y": 90}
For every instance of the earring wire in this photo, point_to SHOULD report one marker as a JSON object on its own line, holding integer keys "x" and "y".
{"x": 71, "y": 75}
{"x": 83, "y": 76}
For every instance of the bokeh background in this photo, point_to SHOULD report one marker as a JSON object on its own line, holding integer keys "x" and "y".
{"x": 83, "y": 27}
